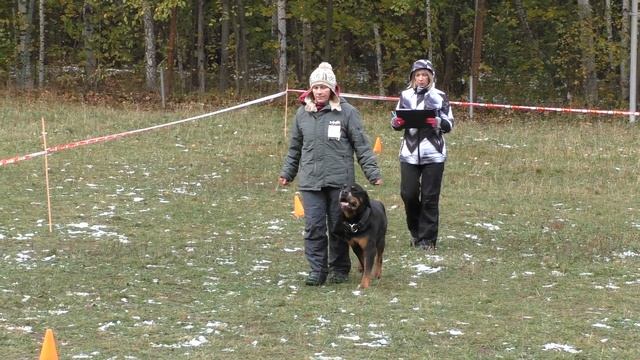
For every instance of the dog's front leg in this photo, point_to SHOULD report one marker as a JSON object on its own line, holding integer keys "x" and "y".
{"x": 358, "y": 251}
{"x": 377, "y": 268}
{"x": 369, "y": 260}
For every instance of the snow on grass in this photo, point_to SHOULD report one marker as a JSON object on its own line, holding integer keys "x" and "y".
{"x": 276, "y": 225}
{"x": 380, "y": 340}
{"x": 195, "y": 342}
{"x": 601, "y": 325}
{"x": 212, "y": 327}
{"x": 27, "y": 236}
{"x": 451, "y": 332}
{"x": 91, "y": 355}
{"x": 262, "y": 265}
{"x": 105, "y": 326}
{"x": 371, "y": 339}
{"x": 488, "y": 226}
{"x": 561, "y": 347}
{"x": 626, "y": 254}
{"x": 472, "y": 236}
{"x": 422, "y": 269}
{"x": 609, "y": 286}
{"x": 95, "y": 231}
{"x": 322, "y": 356}
{"x": 25, "y": 329}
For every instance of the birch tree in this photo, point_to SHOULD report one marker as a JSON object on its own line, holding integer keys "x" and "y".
{"x": 202, "y": 66}
{"x": 624, "y": 46}
{"x": 90, "y": 63}
{"x": 478, "y": 30}
{"x": 236, "y": 35}
{"x": 25, "y": 29}
{"x": 307, "y": 47}
{"x": 224, "y": 46}
{"x": 282, "y": 41}
{"x": 171, "y": 48}
{"x": 42, "y": 45}
{"x": 429, "y": 33}
{"x": 241, "y": 49}
{"x": 609, "y": 25}
{"x": 531, "y": 39}
{"x": 328, "y": 37}
{"x": 590, "y": 84}
{"x": 378, "y": 45}
{"x": 150, "y": 64}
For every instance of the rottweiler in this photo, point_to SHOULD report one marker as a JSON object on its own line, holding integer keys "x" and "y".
{"x": 363, "y": 224}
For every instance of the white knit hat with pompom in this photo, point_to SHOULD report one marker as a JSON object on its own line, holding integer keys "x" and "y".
{"x": 323, "y": 75}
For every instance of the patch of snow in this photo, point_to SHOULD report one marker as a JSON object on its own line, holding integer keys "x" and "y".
{"x": 104, "y": 327}
{"x": 561, "y": 347}
{"x": 195, "y": 342}
{"x": 488, "y": 226}
{"x": 425, "y": 269}
{"x": 626, "y": 254}
{"x": 601, "y": 325}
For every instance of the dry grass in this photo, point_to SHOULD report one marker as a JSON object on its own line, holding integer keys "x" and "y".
{"x": 175, "y": 244}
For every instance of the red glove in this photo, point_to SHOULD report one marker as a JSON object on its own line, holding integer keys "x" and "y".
{"x": 398, "y": 122}
{"x": 433, "y": 122}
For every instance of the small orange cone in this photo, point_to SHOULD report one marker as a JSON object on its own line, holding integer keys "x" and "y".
{"x": 298, "y": 210}
{"x": 377, "y": 147}
{"x": 49, "y": 351}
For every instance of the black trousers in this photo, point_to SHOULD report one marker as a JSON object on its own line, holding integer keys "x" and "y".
{"x": 324, "y": 250}
{"x": 420, "y": 191}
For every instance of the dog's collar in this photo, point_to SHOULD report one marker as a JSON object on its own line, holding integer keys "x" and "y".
{"x": 360, "y": 225}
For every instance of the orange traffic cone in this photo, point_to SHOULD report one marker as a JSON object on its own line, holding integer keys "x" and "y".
{"x": 49, "y": 351}
{"x": 298, "y": 210}
{"x": 377, "y": 147}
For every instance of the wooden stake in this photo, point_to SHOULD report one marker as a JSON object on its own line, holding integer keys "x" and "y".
{"x": 286, "y": 108}
{"x": 46, "y": 173}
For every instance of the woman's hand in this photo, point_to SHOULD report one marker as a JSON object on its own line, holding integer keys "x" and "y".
{"x": 397, "y": 122}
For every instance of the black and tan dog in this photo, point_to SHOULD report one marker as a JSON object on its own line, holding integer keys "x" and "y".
{"x": 363, "y": 224}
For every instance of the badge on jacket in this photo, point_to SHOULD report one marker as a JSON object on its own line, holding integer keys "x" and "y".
{"x": 334, "y": 130}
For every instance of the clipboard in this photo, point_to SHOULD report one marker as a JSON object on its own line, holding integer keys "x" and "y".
{"x": 415, "y": 118}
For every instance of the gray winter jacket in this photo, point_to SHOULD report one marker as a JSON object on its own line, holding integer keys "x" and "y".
{"x": 322, "y": 145}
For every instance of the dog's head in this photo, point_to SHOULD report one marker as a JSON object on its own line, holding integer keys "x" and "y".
{"x": 353, "y": 200}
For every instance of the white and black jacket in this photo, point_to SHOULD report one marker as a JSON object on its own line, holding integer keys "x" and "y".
{"x": 426, "y": 145}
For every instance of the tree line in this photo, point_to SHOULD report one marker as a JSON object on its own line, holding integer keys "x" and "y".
{"x": 505, "y": 51}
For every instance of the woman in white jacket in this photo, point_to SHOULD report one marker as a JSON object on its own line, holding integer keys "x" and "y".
{"x": 423, "y": 153}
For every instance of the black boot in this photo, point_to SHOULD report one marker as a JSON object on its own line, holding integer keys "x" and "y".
{"x": 315, "y": 279}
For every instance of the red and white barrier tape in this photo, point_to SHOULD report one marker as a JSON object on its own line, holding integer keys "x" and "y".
{"x": 541, "y": 108}
{"x": 100, "y": 139}
{"x": 356, "y": 96}
{"x": 498, "y": 106}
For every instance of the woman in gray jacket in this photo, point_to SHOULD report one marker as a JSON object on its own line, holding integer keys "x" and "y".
{"x": 422, "y": 154}
{"x": 326, "y": 134}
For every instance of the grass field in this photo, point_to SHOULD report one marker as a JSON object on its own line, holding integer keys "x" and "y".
{"x": 176, "y": 243}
